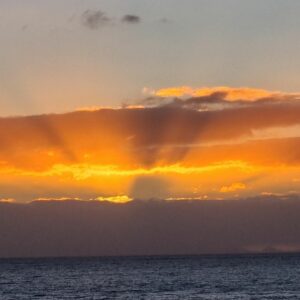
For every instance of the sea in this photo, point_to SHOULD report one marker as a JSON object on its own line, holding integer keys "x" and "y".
{"x": 275, "y": 276}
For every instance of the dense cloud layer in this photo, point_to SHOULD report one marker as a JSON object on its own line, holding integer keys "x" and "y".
{"x": 212, "y": 145}
{"x": 145, "y": 228}
{"x": 164, "y": 132}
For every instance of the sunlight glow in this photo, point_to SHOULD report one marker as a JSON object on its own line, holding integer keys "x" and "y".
{"x": 120, "y": 199}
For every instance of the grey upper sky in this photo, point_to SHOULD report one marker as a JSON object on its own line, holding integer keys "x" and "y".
{"x": 59, "y": 55}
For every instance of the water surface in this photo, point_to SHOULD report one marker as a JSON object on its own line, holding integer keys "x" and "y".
{"x": 167, "y": 277}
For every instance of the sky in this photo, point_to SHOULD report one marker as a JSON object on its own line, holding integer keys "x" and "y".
{"x": 121, "y": 105}
{"x": 53, "y": 60}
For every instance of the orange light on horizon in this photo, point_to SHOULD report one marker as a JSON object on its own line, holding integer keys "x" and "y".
{"x": 119, "y": 199}
{"x": 85, "y": 171}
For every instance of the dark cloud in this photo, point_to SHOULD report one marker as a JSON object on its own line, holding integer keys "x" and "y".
{"x": 25, "y": 27}
{"x": 76, "y": 228}
{"x": 218, "y": 101}
{"x": 94, "y": 19}
{"x": 131, "y": 19}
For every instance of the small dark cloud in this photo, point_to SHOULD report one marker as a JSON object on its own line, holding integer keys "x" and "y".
{"x": 24, "y": 27}
{"x": 131, "y": 19}
{"x": 94, "y": 19}
{"x": 164, "y": 20}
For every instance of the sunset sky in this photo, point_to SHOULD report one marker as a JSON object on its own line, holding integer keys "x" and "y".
{"x": 149, "y": 127}
{"x": 120, "y": 100}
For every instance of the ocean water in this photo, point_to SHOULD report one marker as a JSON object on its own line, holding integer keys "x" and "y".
{"x": 167, "y": 277}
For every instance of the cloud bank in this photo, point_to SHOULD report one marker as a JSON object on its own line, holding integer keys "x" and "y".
{"x": 160, "y": 130}
{"x": 76, "y": 228}
{"x": 208, "y": 144}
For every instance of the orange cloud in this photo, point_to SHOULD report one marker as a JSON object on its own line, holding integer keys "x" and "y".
{"x": 231, "y": 94}
{"x": 194, "y": 142}
{"x": 233, "y": 187}
{"x": 57, "y": 198}
{"x": 7, "y": 200}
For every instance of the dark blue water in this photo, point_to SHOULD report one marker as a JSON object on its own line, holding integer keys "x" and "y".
{"x": 199, "y": 277}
